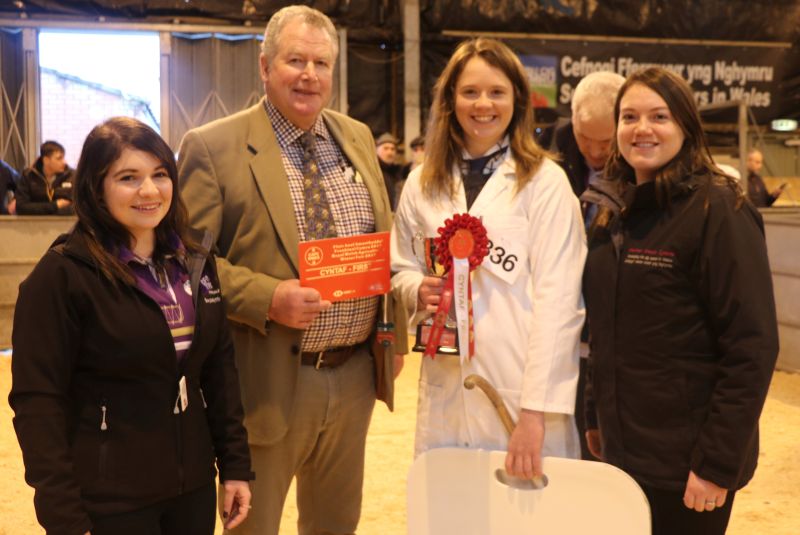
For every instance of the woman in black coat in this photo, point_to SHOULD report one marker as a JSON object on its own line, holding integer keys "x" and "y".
{"x": 125, "y": 391}
{"x": 681, "y": 313}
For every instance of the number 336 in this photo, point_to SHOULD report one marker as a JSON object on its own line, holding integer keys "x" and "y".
{"x": 497, "y": 255}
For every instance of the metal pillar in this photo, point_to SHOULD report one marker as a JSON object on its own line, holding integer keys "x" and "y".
{"x": 165, "y": 46}
{"x": 31, "y": 83}
{"x": 743, "y": 148}
{"x": 411, "y": 66}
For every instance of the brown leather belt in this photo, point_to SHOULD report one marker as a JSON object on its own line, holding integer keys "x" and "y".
{"x": 330, "y": 358}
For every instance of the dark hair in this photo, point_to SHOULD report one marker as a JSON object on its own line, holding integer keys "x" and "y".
{"x": 694, "y": 157}
{"x": 445, "y": 139}
{"x": 50, "y": 147}
{"x": 104, "y": 234}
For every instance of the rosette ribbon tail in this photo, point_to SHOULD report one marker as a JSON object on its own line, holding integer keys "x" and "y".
{"x": 462, "y": 291}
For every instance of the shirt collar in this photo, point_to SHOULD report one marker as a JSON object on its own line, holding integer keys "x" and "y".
{"x": 502, "y": 144}
{"x": 487, "y": 163}
{"x": 286, "y": 132}
{"x": 126, "y": 256}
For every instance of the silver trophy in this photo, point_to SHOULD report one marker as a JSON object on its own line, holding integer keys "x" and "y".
{"x": 425, "y": 251}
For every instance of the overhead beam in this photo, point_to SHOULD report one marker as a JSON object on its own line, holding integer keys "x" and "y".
{"x": 617, "y": 39}
{"x": 95, "y": 24}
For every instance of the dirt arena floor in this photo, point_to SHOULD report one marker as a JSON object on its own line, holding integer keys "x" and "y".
{"x": 768, "y": 506}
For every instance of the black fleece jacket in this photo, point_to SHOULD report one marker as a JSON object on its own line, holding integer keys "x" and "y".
{"x": 95, "y": 389}
{"x": 683, "y": 333}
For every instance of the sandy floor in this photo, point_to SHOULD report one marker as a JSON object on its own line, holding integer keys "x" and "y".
{"x": 767, "y": 506}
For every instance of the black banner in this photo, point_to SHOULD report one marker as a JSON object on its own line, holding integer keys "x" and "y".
{"x": 717, "y": 74}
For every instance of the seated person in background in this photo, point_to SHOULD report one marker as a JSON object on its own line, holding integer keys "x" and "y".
{"x": 46, "y": 186}
{"x": 393, "y": 175}
{"x": 756, "y": 189}
{"x": 8, "y": 184}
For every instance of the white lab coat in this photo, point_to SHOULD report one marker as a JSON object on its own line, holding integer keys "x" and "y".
{"x": 527, "y": 303}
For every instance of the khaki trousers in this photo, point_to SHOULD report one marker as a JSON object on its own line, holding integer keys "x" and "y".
{"x": 323, "y": 448}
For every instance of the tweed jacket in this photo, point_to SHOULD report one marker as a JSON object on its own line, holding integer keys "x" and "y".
{"x": 234, "y": 184}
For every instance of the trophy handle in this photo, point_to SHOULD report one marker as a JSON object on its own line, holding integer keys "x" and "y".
{"x": 425, "y": 256}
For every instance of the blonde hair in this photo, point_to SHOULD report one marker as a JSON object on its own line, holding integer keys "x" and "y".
{"x": 445, "y": 140}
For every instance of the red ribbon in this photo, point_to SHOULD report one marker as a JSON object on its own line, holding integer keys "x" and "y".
{"x": 452, "y": 240}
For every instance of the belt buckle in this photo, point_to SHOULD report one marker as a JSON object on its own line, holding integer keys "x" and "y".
{"x": 320, "y": 360}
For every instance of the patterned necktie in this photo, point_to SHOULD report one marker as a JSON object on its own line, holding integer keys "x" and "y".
{"x": 319, "y": 220}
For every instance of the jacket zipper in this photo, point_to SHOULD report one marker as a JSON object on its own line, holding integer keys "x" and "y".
{"x": 177, "y": 410}
{"x": 179, "y": 374}
{"x": 48, "y": 187}
{"x": 103, "y": 424}
{"x": 195, "y": 302}
{"x": 102, "y": 457}
{"x": 179, "y": 442}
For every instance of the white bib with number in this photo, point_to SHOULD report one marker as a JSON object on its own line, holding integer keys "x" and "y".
{"x": 508, "y": 246}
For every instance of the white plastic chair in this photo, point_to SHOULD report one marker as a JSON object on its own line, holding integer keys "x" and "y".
{"x": 454, "y": 491}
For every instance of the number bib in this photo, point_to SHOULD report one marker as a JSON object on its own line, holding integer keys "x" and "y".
{"x": 508, "y": 247}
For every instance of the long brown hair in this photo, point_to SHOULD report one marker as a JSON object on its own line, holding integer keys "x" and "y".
{"x": 105, "y": 235}
{"x": 445, "y": 139}
{"x": 694, "y": 157}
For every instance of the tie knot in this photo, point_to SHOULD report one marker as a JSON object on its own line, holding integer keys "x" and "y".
{"x": 307, "y": 142}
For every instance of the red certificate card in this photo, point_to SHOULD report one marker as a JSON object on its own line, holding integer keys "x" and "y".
{"x": 346, "y": 268}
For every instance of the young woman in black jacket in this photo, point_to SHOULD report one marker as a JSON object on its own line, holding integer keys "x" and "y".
{"x": 681, "y": 313}
{"x": 125, "y": 391}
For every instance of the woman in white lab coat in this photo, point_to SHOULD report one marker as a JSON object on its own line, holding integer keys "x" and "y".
{"x": 481, "y": 158}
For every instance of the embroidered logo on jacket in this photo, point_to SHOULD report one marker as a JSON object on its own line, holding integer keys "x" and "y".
{"x": 658, "y": 258}
{"x": 210, "y": 294}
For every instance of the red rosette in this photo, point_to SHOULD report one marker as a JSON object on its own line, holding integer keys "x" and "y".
{"x": 452, "y": 226}
{"x": 463, "y": 237}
